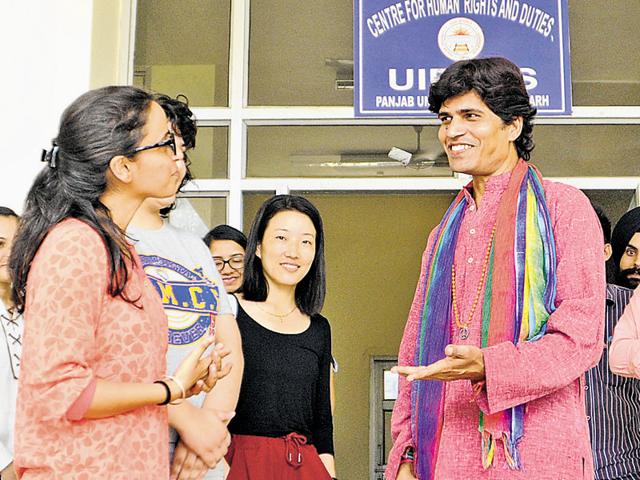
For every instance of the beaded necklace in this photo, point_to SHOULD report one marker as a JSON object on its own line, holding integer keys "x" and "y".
{"x": 463, "y": 328}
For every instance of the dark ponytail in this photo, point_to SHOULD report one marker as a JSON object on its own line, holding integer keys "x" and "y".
{"x": 96, "y": 127}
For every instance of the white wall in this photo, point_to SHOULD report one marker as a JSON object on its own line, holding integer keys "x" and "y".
{"x": 46, "y": 58}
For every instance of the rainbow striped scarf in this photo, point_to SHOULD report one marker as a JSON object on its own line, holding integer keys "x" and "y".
{"x": 519, "y": 296}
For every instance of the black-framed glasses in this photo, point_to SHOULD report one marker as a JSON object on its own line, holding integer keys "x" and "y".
{"x": 236, "y": 262}
{"x": 170, "y": 142}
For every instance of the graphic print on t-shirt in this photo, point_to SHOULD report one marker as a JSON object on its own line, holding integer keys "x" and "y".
{"x": 191, "y": 301}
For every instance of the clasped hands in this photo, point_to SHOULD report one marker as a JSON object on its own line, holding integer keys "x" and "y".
{"x": 204, "y": 437}
{"x": 204, "y": 440}
{"x": 200, "y": 372}
{"x": 461, "y": 362}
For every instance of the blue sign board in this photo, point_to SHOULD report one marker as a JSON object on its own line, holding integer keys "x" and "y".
{"x": 402, "y": 46}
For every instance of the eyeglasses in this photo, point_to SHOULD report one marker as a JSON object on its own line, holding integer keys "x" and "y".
{"x": 171, "y": 142}
{"x": 236, "y": 262}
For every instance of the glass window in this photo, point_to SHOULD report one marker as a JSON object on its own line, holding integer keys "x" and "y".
{"x": 183, "y": 48}
{"x": 362, "y": 151}
{"x": 587, "y": 150}
{"x": 614, "y": 202}
{"x": 343, "y": 151}
{"x": 199, "y": 214}
{"x": 297, "y": 51}
{"x": 304, "y": 56}
{"x": 210, "y": 157}
{"x": 604, "y": 52}
{"x": 251, "y": 202}
{"x": 388, "y": 440}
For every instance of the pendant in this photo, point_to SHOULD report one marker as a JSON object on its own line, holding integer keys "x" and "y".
{"x": 463, "y": 332}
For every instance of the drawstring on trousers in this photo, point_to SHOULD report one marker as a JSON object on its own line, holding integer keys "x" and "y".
{"x": 293, "y": 442}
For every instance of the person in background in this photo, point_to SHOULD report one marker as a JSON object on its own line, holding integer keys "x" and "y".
{"x": 180, "y": 268}
{"x": 227, "y": 246}
{"x": 624, "y": 354}
{"x": 11, "y": 325}
{"x": 625, "y": 243}
{"x": 283, "y": 427}
{"x": 93, "y": 384}
{"x": 613, "y": 402}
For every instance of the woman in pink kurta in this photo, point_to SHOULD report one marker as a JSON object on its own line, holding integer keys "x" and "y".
{"x": 78, "y": 333}
{"x": 95, "y": 334}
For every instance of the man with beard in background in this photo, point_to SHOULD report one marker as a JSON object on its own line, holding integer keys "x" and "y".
{"x": 625, "y": 243}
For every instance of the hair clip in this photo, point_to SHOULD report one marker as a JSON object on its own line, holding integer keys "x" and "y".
{"x": 50, "y": 156}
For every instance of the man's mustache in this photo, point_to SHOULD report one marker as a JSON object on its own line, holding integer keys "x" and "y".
{"x": 624, "y": 279}
{"x": 630, "y": 271}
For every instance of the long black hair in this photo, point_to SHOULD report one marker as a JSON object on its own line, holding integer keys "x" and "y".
{"x": 500, "y": 85}
{"x": 96, "y": 127}
{"x": 311, "y": 290}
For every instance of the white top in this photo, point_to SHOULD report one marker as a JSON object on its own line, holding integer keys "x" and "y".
{"x": 180, "y": 267}
{"x": 10, "y": 351}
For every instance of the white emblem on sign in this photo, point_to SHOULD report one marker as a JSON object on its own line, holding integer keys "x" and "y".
{"x": 460, "y": 39}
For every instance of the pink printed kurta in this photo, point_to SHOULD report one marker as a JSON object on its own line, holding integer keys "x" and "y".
{"x": 76, "y": 333}
{"x": 547, "y": 374}
{"x": 624, "y": 354}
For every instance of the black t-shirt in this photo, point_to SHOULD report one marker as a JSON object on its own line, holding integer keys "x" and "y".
{"x": 285, "y": 385}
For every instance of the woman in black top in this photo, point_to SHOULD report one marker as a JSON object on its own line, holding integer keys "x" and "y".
{"x": 283, "y": 426}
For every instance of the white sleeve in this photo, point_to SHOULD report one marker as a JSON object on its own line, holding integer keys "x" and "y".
{"x": 225, "y": 302}
{"x": 212, "y": 273}
{"x": 233, "y": 303}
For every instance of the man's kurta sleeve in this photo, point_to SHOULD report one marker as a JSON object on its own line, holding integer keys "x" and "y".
{"x": 624, "y": 354}
{"x": 573, "y": 342}
{"x": 401, "y": 417}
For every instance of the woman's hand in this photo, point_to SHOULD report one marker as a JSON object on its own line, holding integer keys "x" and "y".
{"x": 217, "y": 371}
{"x": 187, "y": 465}
{"x": 462, "y": 362}
{"x": 199, "y": 373}
{"x": 203, "y": 431}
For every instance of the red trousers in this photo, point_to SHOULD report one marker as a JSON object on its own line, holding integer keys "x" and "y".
{"x": 264, "y": 458}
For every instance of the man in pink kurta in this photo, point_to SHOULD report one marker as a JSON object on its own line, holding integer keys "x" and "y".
{"x": 547, "y": 374}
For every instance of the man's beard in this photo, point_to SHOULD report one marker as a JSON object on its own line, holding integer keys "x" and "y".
{"x": 623, "y": 279}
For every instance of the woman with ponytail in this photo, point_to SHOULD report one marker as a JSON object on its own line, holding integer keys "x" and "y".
{"x": 95, "y": 338}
